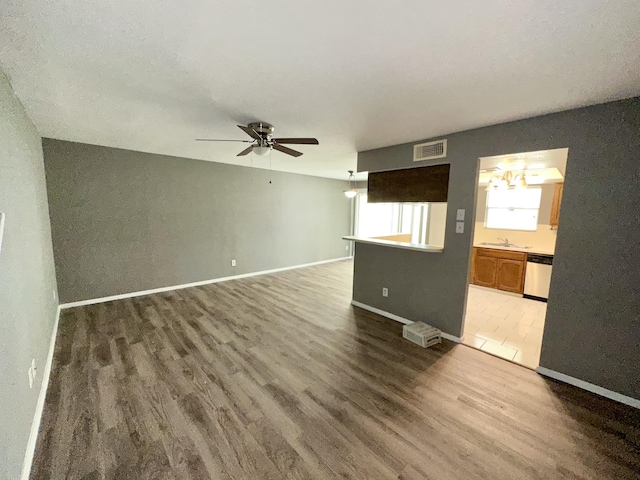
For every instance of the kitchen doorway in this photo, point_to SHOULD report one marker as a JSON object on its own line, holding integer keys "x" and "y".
{"x": 517, "y": 214}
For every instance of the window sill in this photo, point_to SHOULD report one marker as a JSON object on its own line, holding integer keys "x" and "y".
{"x": 404, "y": 245}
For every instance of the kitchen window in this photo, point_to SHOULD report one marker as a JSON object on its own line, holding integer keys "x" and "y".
{"x": 513, "y": 209}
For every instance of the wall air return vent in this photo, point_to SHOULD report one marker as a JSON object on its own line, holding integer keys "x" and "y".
{"x": 430, "y": 150}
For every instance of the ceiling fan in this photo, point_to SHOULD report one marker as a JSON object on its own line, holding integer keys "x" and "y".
{"x": 262, "y": 142}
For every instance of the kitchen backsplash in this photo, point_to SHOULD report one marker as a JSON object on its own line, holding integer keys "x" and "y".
{"x": 542, "y": 239}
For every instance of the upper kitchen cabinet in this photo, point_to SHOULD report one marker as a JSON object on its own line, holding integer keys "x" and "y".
{"x": 555, "y": 205}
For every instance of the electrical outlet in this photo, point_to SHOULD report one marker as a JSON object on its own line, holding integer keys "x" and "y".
{"x": 460, "y": 214}
{"x": 233, "y": 263}
{"x": 385, "y": 292}
{"x": 459, "y": 227}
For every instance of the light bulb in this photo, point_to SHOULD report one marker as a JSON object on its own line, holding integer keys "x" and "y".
{"x": 261, "y": 151}
{"x": 523, "y": 181}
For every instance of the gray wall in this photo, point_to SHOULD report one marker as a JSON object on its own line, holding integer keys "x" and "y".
{"x": 593, "y": 318}
{"x": 27, "y": 278}
{"x": 125, "y": 221}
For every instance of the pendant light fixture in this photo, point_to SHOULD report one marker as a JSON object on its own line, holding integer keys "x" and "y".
{"x": 522, "y": 182}
{"x": 351, "y": 190}
{"x": 507, "y": 181}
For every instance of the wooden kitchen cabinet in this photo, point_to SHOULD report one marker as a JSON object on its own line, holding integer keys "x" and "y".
{"x": 500, "y": 269}
{"x": 484, "y": 270}
{"x": 510, "y": 275}
{"x": 555, "y": 204}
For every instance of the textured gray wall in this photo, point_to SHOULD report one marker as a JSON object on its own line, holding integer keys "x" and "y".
{"x": 27, "y": 278}
{"x": 125, "y": 221}
{"x": 593, "y": 317}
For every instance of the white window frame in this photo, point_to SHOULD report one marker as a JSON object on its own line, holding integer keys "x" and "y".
{"x": 521, "y": 211}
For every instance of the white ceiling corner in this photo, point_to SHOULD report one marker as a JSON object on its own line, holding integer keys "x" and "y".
{"x": 154, "y": 75}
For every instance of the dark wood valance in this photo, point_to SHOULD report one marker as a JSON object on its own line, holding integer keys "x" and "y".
{"x": 421, "y": 184}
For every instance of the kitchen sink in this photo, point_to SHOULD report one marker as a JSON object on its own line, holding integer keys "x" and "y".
{"x": 508, "y": 245}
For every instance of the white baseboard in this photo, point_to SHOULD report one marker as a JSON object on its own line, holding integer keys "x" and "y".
{"x": 590, "y": 387}
{"x": 398, "y": 318}
{"x": 121, "y": 296}
{"x": 37, "y": 416}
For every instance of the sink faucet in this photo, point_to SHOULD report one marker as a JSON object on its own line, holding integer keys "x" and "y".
{"x": 505, "y": 240}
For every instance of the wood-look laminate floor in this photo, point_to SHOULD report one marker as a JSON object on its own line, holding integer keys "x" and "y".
{"x": 278, "y": 376}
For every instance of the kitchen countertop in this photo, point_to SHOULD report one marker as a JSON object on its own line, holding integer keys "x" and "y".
{"x": 390, "y": 243}
{"x": 538, "y": 251}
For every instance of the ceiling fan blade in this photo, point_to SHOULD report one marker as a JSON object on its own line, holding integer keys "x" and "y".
{"x": 214, "y": 140}
{"x": 246, "y": 151}
{"x": 299, "y": 141}
{"x": 287, "y": 150}
{"x": 250, "y": 131}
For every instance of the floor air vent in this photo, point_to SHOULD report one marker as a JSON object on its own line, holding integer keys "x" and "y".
{"x": 430, "y": 150}
{"x": 422, "y": 334}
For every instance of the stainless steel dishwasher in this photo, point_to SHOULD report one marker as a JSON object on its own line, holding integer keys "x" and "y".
{"x": 538, "y": 276}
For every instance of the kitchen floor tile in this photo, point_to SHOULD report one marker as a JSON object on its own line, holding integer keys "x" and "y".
{"x": 525, "y": 329}
{"x": 528, "y": 358}
{"x": 470, "y": 329}
{"x": 510, "y": 332}
{"x": 490, "y": 336}
{"x": 497, "y": 312}
{"x": 473, "y": 341}
{"x": 516, "y": 344}
{"x": 477, "y": 318}
{"x": 505, "y": 325}
{"x": 499, "y": 350}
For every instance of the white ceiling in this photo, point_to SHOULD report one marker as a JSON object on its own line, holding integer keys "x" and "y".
{"x": 153, "y": 75}
{"x": 556, "y": 158}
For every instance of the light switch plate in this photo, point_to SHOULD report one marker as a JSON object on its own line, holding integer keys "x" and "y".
{"x": 459, "y": 227}
{"x": 460, "y": 214}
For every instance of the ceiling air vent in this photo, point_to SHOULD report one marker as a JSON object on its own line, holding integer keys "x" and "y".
{"x": 430, "y": 150}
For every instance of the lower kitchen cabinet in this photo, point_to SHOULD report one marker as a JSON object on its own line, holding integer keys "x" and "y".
{"x": 500, "y": 269}
{"x": 485, "y": 271}
{"x": 510, "y": 275}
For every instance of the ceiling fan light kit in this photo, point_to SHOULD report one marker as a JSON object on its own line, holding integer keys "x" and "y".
{"x": 263, "y": 143}
{"x": 261, "y": 151}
